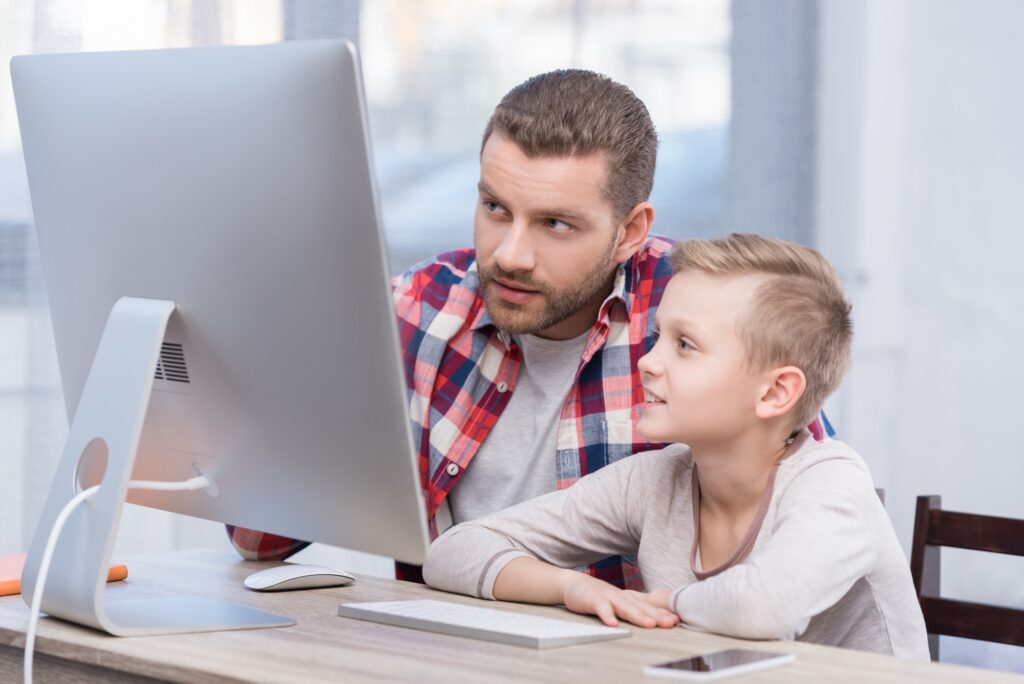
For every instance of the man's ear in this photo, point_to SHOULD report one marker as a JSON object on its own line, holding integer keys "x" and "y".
{"x": 633, "y": 231}
{"x": 782, "y": 391}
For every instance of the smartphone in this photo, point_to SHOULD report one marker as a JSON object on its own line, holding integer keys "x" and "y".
{"x": 718, "y": 665}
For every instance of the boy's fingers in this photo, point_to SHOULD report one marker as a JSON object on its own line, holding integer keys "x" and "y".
{"x": 648, "y": 609}
{"x": 668, "y": 619}
{"x": 638, "y": 609}
{"x": 635, "y": 613}
{"x": 604, "y": 610}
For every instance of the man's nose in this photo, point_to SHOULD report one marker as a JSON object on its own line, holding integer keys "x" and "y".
{"x": 515, "y": 252}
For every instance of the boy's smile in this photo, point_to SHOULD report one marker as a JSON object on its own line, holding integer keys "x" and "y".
{"x": 696, "y": 379}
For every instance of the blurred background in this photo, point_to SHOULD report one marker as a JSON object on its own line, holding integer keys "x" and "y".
{"x": 887, "y": 133}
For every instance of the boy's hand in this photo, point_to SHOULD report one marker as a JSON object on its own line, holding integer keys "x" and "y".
{"x": 585, "y": 594}
{"x": 659, "y": 598}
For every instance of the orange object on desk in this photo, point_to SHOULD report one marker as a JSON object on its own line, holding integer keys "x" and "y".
{"x": 12, "y": 565}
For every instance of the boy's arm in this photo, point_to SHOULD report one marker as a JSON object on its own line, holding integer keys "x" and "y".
{"x": 523, "y": 553}
{"x": 821, "y": 545}
{"x": 594, "y": 518}
{"x": 528, "y": 580}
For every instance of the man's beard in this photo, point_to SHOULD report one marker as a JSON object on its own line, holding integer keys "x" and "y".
{"x": 559, "y": 304}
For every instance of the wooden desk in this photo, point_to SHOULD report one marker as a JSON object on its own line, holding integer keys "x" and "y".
{"x": 324, "y": 647}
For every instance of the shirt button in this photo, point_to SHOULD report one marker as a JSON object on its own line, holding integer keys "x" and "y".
{"x": 452, "y": 469}
{"x": 502, "y": 386}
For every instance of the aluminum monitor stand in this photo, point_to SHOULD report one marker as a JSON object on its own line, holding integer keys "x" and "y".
{"x": 109, "y": 422}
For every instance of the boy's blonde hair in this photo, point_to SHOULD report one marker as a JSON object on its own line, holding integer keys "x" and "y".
{"x": 798, "y": 317}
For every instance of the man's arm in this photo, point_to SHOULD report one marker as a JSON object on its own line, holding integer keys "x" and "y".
{"x": 255, "y": 545}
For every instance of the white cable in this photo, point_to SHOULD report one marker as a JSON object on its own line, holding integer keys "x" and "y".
{"x": 194, "y": 483}
{"x": 44, "y": 568}
{"x": 51, "y": 543}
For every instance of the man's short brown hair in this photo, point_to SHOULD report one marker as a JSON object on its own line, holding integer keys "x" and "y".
{"x": 798, "y": 316}
{"x": 575, "y": 112}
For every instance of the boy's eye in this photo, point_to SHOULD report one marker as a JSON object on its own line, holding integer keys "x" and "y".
{"x": 685, "y": 344}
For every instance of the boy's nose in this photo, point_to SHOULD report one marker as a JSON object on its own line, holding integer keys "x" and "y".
{"x": 514, "y": 252}
{"x": 647, "y": 364}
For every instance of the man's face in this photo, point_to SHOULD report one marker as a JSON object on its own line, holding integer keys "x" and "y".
{"x": 699, "y": 388}
{"x": 545, "y": 239}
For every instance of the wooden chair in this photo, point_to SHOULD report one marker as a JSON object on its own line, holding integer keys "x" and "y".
{"x": 935, "y": 528}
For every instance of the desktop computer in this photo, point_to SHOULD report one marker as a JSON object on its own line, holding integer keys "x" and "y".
{"x": 212, "y": 253}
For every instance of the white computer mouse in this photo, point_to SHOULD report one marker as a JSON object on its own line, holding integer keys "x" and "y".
{"x": 295, "y": 576}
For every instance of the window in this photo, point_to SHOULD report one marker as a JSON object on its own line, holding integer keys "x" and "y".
{"x": 433, "y": 71}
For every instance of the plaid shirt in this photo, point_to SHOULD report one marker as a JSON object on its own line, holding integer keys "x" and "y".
{"x": 461, "y": 371}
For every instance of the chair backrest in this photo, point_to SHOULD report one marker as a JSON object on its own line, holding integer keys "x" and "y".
{"x": 935, "y": 528}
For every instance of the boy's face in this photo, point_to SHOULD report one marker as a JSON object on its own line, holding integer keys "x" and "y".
{"x": 699, "y": 389}
{"x": 546, "y": 239}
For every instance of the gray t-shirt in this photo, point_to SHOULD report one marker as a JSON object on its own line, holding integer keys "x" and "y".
{"x": 517, "y": 460}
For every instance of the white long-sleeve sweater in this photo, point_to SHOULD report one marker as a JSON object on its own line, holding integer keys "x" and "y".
{"x": 821, "y": 563}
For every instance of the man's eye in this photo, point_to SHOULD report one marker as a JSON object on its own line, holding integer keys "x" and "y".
{"x": 557, "y": 226}
{"x": 493, "y": 207}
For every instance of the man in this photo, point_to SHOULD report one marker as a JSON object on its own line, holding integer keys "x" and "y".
{"x": 520, "y": 355}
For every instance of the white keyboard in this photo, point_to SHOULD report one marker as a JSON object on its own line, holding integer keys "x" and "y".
{"x": 487, "y": 624}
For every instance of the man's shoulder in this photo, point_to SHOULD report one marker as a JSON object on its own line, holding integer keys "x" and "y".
{"x": 437, "y": 277}
{"x": 448, "y": 267}
{"x": 651, "y": 262}
{"x": 647, "y": 273}
{"x": 654, "y": 252}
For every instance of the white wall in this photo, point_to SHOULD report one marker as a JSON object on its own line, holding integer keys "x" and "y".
{"x": 921, "y": 201}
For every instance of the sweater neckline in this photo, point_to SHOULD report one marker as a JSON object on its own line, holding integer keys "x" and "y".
{"x": 746, "y": 544}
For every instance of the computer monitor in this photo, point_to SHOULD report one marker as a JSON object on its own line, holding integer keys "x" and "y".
{"x": 216, "y": 271}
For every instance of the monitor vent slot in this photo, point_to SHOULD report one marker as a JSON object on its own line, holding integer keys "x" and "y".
{"x": 171, "y": 364}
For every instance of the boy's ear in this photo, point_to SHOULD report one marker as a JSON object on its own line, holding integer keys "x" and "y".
{"x": 783, "y": 390}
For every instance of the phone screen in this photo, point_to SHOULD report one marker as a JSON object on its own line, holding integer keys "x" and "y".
{"x": 720, "y": 660}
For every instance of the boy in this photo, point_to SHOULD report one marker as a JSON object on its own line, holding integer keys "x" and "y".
{"x": 743, "y": 526}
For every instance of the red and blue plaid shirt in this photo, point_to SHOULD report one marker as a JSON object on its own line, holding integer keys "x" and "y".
{"x": 461, "y": 371}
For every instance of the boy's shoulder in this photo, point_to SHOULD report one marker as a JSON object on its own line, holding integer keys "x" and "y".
{"x": 813, "y": 451}
{"x": 828, "y": 463}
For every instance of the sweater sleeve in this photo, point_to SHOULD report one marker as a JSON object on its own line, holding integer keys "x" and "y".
{"x": 594, "y": 518}
{"x": 821, "y": 544}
